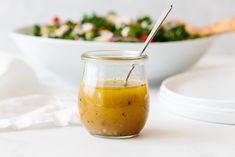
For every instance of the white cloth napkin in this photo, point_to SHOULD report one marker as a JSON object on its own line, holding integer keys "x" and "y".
{"x": 25, "y": 102}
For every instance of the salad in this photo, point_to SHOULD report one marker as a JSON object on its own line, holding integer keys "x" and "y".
{"x": 112, "y": 28}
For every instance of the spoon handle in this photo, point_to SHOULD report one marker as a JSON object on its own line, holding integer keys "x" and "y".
{"x": 156, "y": 27}
{"x": 151, "y": 35}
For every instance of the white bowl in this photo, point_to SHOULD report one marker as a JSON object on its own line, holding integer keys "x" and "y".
{"x": 62, "y": 57}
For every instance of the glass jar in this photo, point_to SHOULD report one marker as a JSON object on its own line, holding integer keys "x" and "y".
{"x": 109, "y": 105}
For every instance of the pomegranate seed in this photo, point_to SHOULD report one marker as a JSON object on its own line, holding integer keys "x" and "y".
{"x": 56, "y": 20}
{"x": 143, "y": 37}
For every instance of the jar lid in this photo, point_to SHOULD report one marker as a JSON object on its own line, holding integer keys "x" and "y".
{"x": 113, "y": 55}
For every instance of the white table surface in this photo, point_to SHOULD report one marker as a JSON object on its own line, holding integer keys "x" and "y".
{"x": 165, "y": 135}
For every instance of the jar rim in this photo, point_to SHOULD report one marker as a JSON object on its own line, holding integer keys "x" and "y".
{"x": 113, "y": 55}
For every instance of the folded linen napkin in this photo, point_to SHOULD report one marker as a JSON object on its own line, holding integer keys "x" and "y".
{"x": 26, "y": 102}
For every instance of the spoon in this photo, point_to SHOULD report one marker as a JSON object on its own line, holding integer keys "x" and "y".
{"x": 153, "y": 32}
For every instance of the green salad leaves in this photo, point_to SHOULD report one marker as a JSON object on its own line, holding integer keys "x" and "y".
{"x": 111, "y": 28}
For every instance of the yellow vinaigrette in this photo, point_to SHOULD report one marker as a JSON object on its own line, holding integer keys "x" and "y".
{"x": 114, "y": 109}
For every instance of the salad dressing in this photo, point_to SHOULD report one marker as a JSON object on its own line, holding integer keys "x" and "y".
{"x": 113, "y": 108}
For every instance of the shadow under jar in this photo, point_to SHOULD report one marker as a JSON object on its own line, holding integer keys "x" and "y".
{"x": 108, "y": 105}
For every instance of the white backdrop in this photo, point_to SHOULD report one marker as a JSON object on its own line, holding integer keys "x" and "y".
{"x": 14, "y": 13}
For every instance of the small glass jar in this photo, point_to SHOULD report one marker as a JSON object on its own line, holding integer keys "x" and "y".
{"x": 109, "y": 105}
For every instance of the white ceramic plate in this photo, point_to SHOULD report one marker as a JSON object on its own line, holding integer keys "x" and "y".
{"x": 207, "y": 95}
{"x": 62, "y": 57}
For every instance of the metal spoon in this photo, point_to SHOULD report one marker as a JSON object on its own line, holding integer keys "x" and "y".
{"x": 153, "y": 32}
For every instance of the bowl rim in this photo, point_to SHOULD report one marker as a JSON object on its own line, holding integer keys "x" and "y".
{"x": 22, "y": 32}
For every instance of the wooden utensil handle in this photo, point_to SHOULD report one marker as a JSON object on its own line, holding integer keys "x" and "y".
{"x": 219, "y": 27}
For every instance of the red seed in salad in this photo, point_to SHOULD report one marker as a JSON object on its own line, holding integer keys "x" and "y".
{"x": 56, "y": 20}
{"x": 143, "y": 37}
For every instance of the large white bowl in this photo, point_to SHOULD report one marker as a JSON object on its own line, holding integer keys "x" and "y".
{"x": 62, "y": 57}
